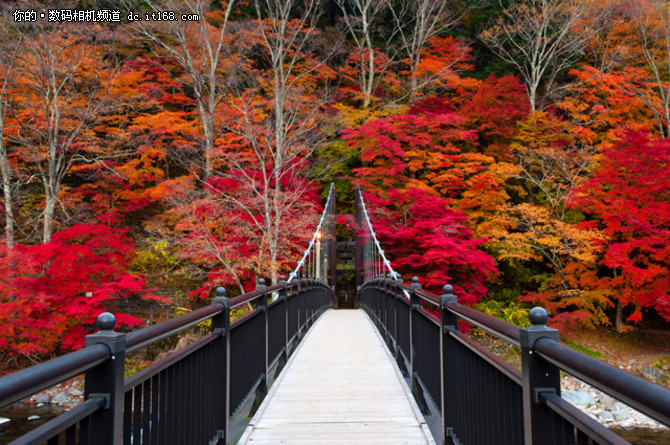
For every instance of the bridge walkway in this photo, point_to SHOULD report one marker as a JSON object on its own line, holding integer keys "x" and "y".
{"x": 340, "y": 386}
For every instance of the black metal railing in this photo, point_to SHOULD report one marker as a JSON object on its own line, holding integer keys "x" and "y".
{"x": 192, "y": 396}
{"x": 475, "y": 397}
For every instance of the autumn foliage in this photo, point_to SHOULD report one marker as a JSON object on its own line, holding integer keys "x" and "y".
{"x": 143, "y": 159}
{"x": 629, "y": 195}
{"x": 45, "y": 286}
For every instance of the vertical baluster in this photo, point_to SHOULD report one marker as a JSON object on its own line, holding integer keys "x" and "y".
{"x": 127, "y": 416}
{"x": 155, "y": 399}
{"x": 84, "y": 431}
{"x": 71, "y": 435}
{"x": 137, "y": 414}
{"x": 146, "y": 415}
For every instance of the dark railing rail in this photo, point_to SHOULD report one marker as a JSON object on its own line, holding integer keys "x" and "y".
{"x": 471, "y": 396}
{"x": 192, "y": 396}
{"x": 18, "y": 386}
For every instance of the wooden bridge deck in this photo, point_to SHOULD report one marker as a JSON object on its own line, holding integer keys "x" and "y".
{"x": 340, "y": 386}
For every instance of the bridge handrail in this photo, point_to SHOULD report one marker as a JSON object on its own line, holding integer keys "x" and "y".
{"x": 645, "y": 396}
{"x": 21, "y": 384}
{"x": 636, "y": 391}
{"x": 366, "y": 219}
{"x": 326, "y": 209}
{"x": 597, "y": 433}
{"x": 66, "y": 420}
{"x": 151, "y": 334}
{"x": 107, "y": 349}
{"x": 492, "y": 325}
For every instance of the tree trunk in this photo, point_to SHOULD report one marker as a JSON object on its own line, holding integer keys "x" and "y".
{"x": 207, "y": 120}
{"x": 618, "y": 318}
{"x": 49, "y": 212}
{"x": 5, "y": 170}
{"x": 7, "y": 190}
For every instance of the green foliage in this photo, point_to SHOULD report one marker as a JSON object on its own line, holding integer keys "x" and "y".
{"x": 334, "y": 163}
{"x": 160, "y": 263}
{"x": 509, "y": 312}
{"x": 582, "y": 349}
{"x": 663, "y": 363}
{"x": 135, "y": 365}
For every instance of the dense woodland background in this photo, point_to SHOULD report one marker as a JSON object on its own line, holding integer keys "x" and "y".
{"x": 514, "y": 149}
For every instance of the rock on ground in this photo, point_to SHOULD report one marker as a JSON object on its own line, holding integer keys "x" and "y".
{"x": 603, "y": 408}
{"x": 42, "y": 398}
{"x": 653, "y": 373}
{"x": 60, "y": 398}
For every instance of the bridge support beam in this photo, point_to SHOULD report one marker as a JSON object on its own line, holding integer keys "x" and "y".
{"x": 539, "y": 376}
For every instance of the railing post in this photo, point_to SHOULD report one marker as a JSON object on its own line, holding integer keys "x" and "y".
{"x": 448, "y": 323}
{"x": 106, "y": 381}
{"x": 332, "y": 251}
{"x": 262, "y": 305}
{"x": 221, "y": 366}
{"x": 302, "y": 288}
{"x": 414, "y": 304}
{"x": 539, "y": 377}
{"x": 358, "y": 262}
{"x": 396, "y": 298}
{"x": 283, "y": 296}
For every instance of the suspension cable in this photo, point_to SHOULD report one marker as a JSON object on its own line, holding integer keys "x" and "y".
{"x": 379, "y": 251}
{"x": 301, "y": 263}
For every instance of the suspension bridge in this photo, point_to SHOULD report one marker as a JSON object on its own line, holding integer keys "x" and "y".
{"x": 293, "y": 369}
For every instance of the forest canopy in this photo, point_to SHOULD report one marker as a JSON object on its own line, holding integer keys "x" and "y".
{"x": 151, "y": 151}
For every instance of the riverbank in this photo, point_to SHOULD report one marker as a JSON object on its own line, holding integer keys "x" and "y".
{"x": 605, "y": 409}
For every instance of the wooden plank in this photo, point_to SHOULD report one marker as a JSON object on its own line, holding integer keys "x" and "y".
{"x": 340, "y": 386}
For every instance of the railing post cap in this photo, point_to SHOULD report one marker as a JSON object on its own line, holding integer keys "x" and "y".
{"x": 282, "y": 280}
{"x": 448, "y": 297}
{"x": 415, "y": 284}
{"x": 221, "y": 297}
{"x": 538, "y": 316}
{"x": 261, "y": 282}
{"x": 106, "y": 322}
